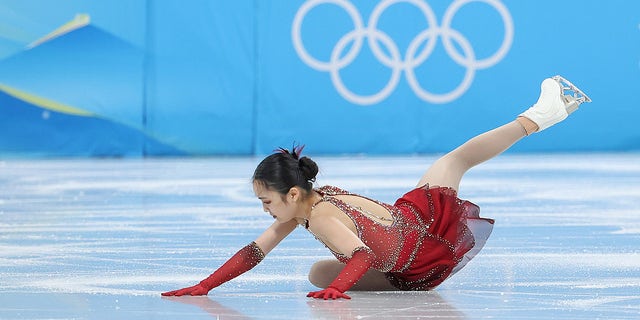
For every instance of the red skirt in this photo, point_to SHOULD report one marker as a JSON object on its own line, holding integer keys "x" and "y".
{"x": 451, "y": 234}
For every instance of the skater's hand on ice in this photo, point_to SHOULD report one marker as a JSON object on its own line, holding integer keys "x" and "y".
{"x": 328, "y": 293}
{"x": 196, "y": 290}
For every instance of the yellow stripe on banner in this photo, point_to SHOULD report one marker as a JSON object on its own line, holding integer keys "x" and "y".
{"x": 79, "y": 21}
{"x": 44, "y": 102}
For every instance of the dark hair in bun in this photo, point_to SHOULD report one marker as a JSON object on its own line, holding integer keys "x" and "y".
{"x": 285, "y": 169}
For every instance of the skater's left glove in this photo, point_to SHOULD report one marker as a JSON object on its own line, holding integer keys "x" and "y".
{"x": 360, "y": 262}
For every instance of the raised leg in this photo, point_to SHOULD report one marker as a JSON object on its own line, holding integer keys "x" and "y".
{"x": 449, "y": 169}
{"x": 558, "y": 98}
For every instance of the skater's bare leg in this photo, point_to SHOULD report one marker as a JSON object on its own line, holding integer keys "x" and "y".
{"x": 323, "y": 272}
{"x": 558, "y": 98}
{"x": 449, "y": 169}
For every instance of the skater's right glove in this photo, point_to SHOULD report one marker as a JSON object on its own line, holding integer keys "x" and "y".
{"x": 360, "y": 262}
{"x": 243, "y": 261}
{"x": 328, "y": 293}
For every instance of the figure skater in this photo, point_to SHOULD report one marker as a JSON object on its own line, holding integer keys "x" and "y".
{"x": 415, "y": 244}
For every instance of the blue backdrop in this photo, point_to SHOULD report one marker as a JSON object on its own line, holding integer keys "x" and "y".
{"x": 201, "y": 77}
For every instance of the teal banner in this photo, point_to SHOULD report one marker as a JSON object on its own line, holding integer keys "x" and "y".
{"x": 196, "y": 78}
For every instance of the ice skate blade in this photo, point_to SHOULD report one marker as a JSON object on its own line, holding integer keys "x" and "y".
{"x": 574, "y": 92}
{"x": 570, "y": 103}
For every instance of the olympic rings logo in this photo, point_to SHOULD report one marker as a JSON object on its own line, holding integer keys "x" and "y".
{"x": 412, "y": 58}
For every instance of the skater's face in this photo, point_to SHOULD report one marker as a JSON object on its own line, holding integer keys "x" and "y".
{"x": 281, "y": 207}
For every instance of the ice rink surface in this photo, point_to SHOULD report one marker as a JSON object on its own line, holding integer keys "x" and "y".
{"x": 101, "y": 239}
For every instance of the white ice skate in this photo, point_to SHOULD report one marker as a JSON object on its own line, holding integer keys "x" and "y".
{"x": 558, "y": 98}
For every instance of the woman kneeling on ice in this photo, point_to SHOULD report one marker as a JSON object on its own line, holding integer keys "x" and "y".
{"x": 415, "y": 244}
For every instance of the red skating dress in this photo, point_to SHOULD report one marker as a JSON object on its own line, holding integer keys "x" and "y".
{"x": 433, "y": 235}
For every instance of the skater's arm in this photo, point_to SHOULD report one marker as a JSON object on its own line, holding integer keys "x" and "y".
{"x": 361, "y": 257}
{"x": 244, "y": 260}
{"x": 270, "y": 238}
{"x": 335, "y": 234}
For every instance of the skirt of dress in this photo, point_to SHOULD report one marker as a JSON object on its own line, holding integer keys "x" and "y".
{"x": 454, "y": 234}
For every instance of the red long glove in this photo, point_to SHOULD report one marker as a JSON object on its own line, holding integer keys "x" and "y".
{"x": 360, "y": 262}
{"x": 243, "y": 261}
